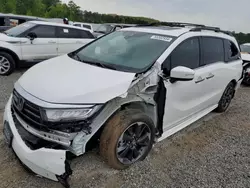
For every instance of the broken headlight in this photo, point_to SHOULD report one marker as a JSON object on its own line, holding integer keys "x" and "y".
{"x": 55, "y": 115}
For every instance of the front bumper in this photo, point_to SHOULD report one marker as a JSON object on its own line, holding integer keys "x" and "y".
{"x": 48, "y": 163}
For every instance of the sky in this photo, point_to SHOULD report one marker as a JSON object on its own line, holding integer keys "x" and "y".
{"x": 228, "y": 14}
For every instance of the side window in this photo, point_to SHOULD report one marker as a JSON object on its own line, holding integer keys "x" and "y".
{"x": 231, "y": 51}
{"x": 44, "y": 31}
{"x": 86, "y": 34}
{"x": 20, "y": 21}
{"x": 69, "y": 33}
{"x": 2, "y": 21}
{"x": 213, "y": 50}
{"x": 187, "y": 54}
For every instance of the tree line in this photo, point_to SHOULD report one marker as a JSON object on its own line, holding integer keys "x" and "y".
{"x": 57, "y": 9}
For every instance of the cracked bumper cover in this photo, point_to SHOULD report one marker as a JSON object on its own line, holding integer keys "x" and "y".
{"x": 48, "y": 163}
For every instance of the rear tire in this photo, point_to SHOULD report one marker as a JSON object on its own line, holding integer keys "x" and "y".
{"x": 7, "y": 64}
{"x": 119, "y": 145}
{"x": 226, "y": 98}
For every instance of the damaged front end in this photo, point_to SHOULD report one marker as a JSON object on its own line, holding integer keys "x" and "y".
{"x": 143, "y": 94}
{"x": 42, "y": 157}
{"x": 46, "y": 150}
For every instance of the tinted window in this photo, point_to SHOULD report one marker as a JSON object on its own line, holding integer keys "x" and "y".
{"x": 187, "y": 54}
{"x": 86, "y": 34}
{"x": 231, "y": 51}
{"x": 69, "y": 33}
{"x": 2, "y": 21}
{"x": 45, "y": 31}
{"x": 213, "y": 50}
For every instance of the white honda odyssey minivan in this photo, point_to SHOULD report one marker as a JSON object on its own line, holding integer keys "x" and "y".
{"x": 124, "y": 92}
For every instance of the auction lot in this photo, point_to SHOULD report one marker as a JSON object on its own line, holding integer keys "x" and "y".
{"x": 213, "y": 152}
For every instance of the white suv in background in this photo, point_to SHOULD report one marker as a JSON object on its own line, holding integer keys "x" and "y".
{"x": 84, "y": 25}
{"x": 35, "y": 41}
{"x": 124, "y": 91}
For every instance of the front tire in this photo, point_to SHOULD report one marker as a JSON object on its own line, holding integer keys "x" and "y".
{"x": 7, "y": 64}
{"x": 226, "y": 98}
{"x": 127, "y": 138}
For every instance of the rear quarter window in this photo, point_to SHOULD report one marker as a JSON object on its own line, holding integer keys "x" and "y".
{"x": 231, "y": 51}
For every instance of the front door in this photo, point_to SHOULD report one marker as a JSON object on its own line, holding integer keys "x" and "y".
{"x": 41, "y": 48}
{"x": 185, "y": 98}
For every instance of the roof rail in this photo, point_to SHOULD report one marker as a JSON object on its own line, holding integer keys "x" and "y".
{"x": 196, "y": 27}
{"x": 215, "y": 29}
{"x": 171, "y": 24}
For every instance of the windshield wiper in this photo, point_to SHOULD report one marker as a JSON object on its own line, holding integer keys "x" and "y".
{"x": 77, "y": 57}
{"x": 107, "y": 66}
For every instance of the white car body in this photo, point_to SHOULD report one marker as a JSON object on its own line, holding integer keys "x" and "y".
{"x": 22, "y": 49}
{"x": 84, "y": 25}
{"x": 65, "y": 83}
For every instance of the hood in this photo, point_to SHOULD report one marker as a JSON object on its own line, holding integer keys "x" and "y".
{"x": 245, "y": 57}
{"x": 6, "y": 38}
{"x": 67, "y": 81}
{"x": 3, "y": 37}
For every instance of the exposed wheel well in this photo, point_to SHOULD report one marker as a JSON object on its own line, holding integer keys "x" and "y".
{"x": 234, "y": 82}
{"x": 13, "y": 54}
{"x": 93, "y": 142}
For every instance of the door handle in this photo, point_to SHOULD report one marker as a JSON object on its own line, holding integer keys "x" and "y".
{"x": 78, "y": 42}
{"x": 210, "y": 76}
{"x": 200, "y": 79}
{"x": 52, "y": 42}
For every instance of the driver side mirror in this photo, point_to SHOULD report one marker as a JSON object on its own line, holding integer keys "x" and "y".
{"x": 181, "y": 73}
{"x": 31, "y": 36}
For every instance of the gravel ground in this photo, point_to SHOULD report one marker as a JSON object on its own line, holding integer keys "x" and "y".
{"x": 6, "y": 86}
{"x": 213, "y": 152}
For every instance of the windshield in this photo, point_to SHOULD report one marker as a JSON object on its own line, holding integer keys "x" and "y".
{"x": 16, "y": 31}
{"x": 245, "y": 48}
{"x": 127, "y": 51}
{"x": 104, "y": 29}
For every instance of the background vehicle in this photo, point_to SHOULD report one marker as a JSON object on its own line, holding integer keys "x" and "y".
{"x": 84, "y": 25}
{"x": 11, "y": 20}
{"x": 125, "y": 91}
{"x": 58, "y": 20}
{"x": 245, "y": 55}
{"x": 35, "y": 41}
{"x": 108, "y": 28}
